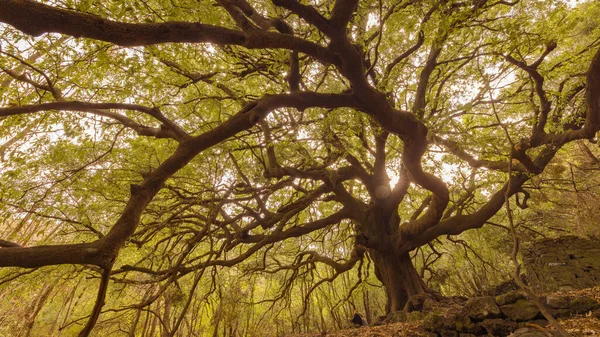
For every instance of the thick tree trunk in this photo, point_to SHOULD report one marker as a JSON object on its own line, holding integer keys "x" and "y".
{"x": 393, "y": 266}
{"x": 399, "y": 277}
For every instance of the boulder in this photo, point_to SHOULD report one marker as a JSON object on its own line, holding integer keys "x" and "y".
{"x": 430, "y": 304}
{"x": 521, "y": 310}
{"x": 396, "y": 317}
{"x": 498, "y": 326}
{"x": 561, "y": 313}
{"x": 416, "y": 302}
{"x": 461, "y": 323}
{"x": 504, "y": 287}
{"x": 430, "y": 334}
{"x": 540, "y": 322}
{"x": 433, "y": 322}
{"x": 480, "y": 308}
{"x": 528, "y": 332}
{"x": 510, "y": 297}
{"x": 557, "y": 302}
{"x": 449, "y": 333}
{"x": 583, "y": 304}
{"x": 414, "y": 316}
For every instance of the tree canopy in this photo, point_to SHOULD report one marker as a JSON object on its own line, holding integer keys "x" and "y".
{"x": 164, "y": 144}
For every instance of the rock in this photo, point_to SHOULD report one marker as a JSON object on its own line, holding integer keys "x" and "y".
{"x": 521, "y": 310}
{"x": 430, "y": 304}
{"x": 433, "y": 322}
{"x": 415, "y": 316}
{"x": 561, "y": 313}
{"x": 416, "y": 302}
{"x": 564, "y": 263}
{"x": 461, "y": 323}
{"x": 505, "y": 287}
{"x": 498, "y": 326}
{"x": 467, "y": 335}
{"x": 510, "y": 297}
{"x": 396, "y": 317}
{"x": 540, "y": 322}
{"x": 557, "y": 302}
{"x": 583, "y": 304}
{"x": 566, "y": 287}
{"x": 449, "y": 333}
{"x": 481, "y": 307}
{"x": 528, "y": 332}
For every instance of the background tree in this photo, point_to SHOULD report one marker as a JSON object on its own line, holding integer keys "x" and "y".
{"x": 158, "y": 142}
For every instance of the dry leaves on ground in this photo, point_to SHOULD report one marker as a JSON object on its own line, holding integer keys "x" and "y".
{"x": 390, "y": 330}
{"x": 578, "y": 326}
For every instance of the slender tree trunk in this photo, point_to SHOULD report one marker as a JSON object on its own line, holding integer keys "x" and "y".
{"x": 136, "y": 320}
{"x": 217, "y": 321}
{"x": 399, "y": 277}
{"x": 37, "y": 307}
{"x": 167, "y": 317}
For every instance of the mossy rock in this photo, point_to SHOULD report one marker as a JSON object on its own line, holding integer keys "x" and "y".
{"x": 480, "y": 308}
{"x": 433, "y": 322}
{"x": 498, "y": 326}
{"x": 465, "y": 324}
{"x": 557, "y": 302}
{"x": 415, "y": 316}
{"x": 510, "y": 297}
{"x": 460, "y": 322}
{"x": 449, "y": 333}
{"x": 521, "y": 310}
{"x": 396, "y": 317}
{"x": 583, "y": 304}
{"x": 528, "y": 332}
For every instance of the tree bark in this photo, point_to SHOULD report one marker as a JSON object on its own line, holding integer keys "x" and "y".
{"x": 399, "y": 277}
{"x": 379, "y": 231}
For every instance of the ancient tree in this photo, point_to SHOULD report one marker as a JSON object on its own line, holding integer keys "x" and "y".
{"x": 162, "y": 140}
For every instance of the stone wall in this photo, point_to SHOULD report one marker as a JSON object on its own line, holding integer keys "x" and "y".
{"x": 565, "y": 263}
{"x": 501, "y": 315}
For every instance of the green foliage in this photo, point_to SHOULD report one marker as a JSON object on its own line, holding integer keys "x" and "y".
{"x": 238, "y": 240}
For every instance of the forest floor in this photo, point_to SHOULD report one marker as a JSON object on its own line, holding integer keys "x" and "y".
{"x": 578, "y": 326}
{"x": 582, "y": 325}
